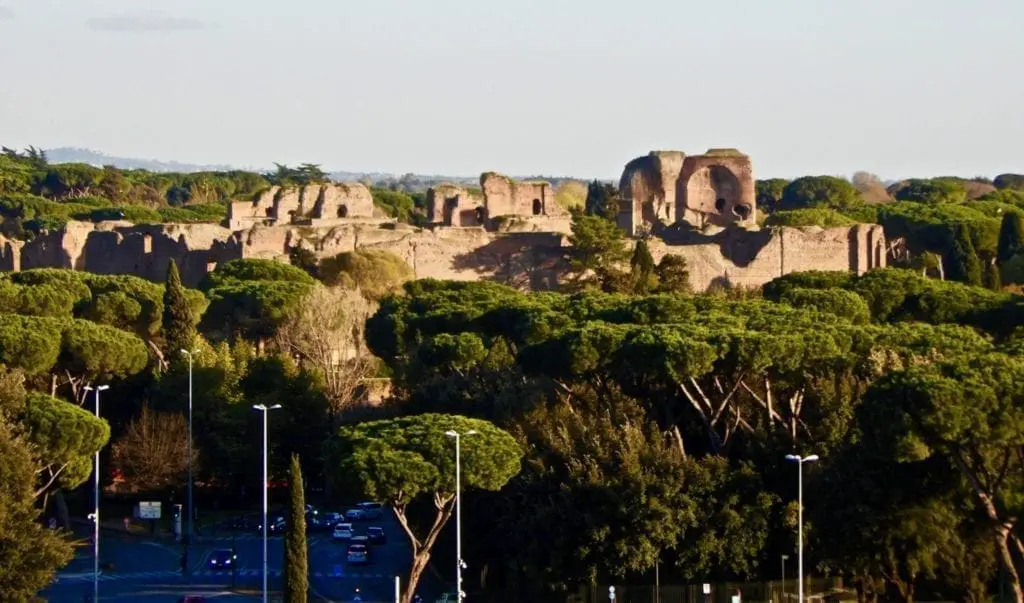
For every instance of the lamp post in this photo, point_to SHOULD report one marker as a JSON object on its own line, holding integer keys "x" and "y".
{"x": 263, "y": 408}
{"x": 458, "y": 510}
{"x": 800, "y": 460}
{"x": 784, "y": 557}
{"x": 191, "y": 511}
{"x": 96, "y": 505}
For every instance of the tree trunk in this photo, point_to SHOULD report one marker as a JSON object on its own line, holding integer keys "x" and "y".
{"x": 63, "y": 517}
{"x": 419, "y": 564}
{"x": 1006, "y": 556}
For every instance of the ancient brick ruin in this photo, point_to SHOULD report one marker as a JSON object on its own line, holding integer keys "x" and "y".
{"x": 313, "y": 205}
{"x": 666, "y": 187}
{"x": 699, "y": 207}
{"x": 499, "y": 197}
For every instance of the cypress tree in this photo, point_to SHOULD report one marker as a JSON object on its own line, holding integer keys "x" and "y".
{"x": 962, "y": 262}
{"x": 179, "y": 328}
{"x": 642, "y": 264}
{"x": 993, "y": 280}
{"x": 1011, "y": 236}
{"x": 296, "y": 564}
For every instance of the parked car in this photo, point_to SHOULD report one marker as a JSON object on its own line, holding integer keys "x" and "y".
{"x": 358, "y": 554}
{"x": 222, "y": 559}
{"x": 371, "y": 510}
{"x": 376, "y": 535}
{"x": 332, "y": 519}
{"x": 354, "y": 515}
{"x": 240, "y": 522}
{"x": 361, "y": 540}
{"x": 342, "y": 531}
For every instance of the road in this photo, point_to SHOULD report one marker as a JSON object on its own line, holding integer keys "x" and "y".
{"x": 150, "y": 571}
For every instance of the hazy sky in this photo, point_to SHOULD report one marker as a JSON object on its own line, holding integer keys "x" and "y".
{"x": 556, "y": 87}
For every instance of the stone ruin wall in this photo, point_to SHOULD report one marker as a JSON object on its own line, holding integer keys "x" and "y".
{"x": 666, "y": 187}
{"x": 505, "y": 205}
{"x": 319, "y": 204}
{"x": 526, "y": 259}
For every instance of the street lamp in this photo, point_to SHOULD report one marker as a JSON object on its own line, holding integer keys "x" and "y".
{"x": 800, "y": 460}
{"x": 263, "y": 408}
{"x": 96, "y": 505}
{"x": 459, "y": 564}
{"x": 784, "y": 557}
{"x": 191, "y": 512}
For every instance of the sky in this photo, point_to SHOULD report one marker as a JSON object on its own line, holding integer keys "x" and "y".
{"x": 900, "y": 88}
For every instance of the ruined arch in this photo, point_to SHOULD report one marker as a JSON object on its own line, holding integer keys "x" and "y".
{"x": 343, "y": 211}
{"x": 715, "y": 192}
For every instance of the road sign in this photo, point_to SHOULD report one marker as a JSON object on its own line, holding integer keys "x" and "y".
{"x": 149, "y": 510}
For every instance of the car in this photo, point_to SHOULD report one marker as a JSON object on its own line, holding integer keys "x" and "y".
{"x": 354, "y": 515}
{"x": 376, "y": 535}
{"x": 363, "y": 540}
{"x": 371, "y": 510}
{"x": 222, "y": 559}
{"x": 276, "y": 526}
{"x": 358, "y": 554}
{"x": 333, "y": 519}
{"x": 342, "y": 531}
{"x": 240, "y": 522}
{"x": 192, "y": 599}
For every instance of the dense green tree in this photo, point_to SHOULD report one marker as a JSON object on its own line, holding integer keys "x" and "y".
{"x": 642, "y": 267}
{"x": 673, "y": 275}
{"x": 251, "y": 298}
{"x": 602, "y": 200}
{"x": 64, "y": 438}
{"x": 931, "y": 191}
{"x": 967, "y": 412}
{"x": 30, "y": 554}
{"x": 820, "y": 191}
{"x": 374, "y": 272}
{"x": 962, "y": 263}
{"x": 179, "y": 331}
{"x": 410, "y": 459}
{"x": 769, "y": 193}
{"x": 814, "y": 216}
{"x": 296, "y": 549}
{"x": 1009, "y": 181}
{"x": 993, "y": 277}
{"x": 597, "y": 253}
{"x": 395, "y": 204}
{"x": 1011, "y": 236}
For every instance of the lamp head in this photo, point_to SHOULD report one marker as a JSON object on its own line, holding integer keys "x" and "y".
{"x": 451, "y": 433}
{"x": 275, "y": 407}
{"x": 471, "y": 432}
{"x": 793, "y": 457}
{"x": 811, "y": 458}
{"x": 103, "y": 388}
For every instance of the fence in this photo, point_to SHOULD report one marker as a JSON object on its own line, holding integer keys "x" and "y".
{"x": 816, "y": 590}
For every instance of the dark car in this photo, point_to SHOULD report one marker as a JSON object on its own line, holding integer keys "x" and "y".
{"x": 222, "y": 559}
{"x": 375, "y": 535}
{"x": 276, "y": 526}
{"x": 240, "y": 522}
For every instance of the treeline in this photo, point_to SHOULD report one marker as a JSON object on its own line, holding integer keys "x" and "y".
{"x": 654, "y": 429}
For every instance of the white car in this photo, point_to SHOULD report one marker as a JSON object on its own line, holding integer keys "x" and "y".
{"x": 342, "y": 531}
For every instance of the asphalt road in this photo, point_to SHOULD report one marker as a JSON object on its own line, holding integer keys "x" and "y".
{"x": 150, "y": 571}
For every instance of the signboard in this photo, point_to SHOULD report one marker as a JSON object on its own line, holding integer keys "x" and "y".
{"x": 149, "y": 510}
{"x": 707, "y": 589}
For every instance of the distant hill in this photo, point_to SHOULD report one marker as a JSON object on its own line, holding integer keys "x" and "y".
{"x": 408, "y": 182}
{"x": 72, "y": 155}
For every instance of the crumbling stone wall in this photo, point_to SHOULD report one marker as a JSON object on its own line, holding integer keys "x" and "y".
{"x": 527, "y": 259}
{"x": 319, "y": 203}
{"x": 506, "y": 197}
{"x": 648, "y": 191}
{"x": 451, "y": 205}
{"x": 717, "y": 188}
{"x": 666, "y": 187}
